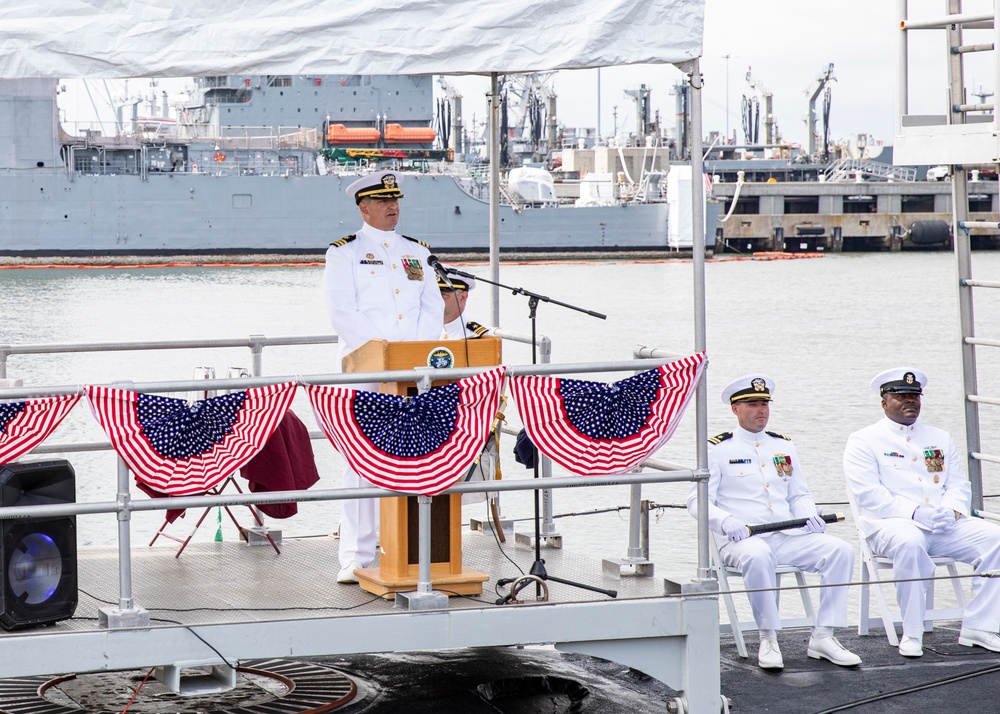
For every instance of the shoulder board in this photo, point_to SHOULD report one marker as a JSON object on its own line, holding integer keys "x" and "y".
{"x": 344, "y": 241}
{"x": 776, "y": 435}
{"x": 417, "y": 241}
{"x": 478, "y": 329}
{"x": 721, "y": 437}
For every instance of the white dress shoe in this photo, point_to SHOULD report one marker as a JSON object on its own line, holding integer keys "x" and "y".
{"x": 346, "y": 574}
{"x": 831, "y": 649}
{"x": 911, "y": 647}
{"x": 769, "y": 655}
{"x": 979, "y": 638}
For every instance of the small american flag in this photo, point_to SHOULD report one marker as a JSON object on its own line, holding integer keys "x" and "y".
{"x": 24, "y": 425}
{"x": 420, "y": 444}
{"x": 598, "y": 428}
{"x": 181, "y": 448}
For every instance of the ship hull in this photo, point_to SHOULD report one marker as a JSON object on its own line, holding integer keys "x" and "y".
{"x": 48, "y": 212}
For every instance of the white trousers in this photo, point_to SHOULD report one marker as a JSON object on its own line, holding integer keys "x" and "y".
{"x": 756, "y": 558}
{"x": 358, "y": 521}
{"x": 970, "y": 540}
{"x": 358, "y": 516}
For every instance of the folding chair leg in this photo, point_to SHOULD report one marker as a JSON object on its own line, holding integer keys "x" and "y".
{"x": 884, "y": 612}
{"x": 807, "y": 603}
{"x": 727, "y": 599}
{"x": 956, "y": 584}
{"x": 734, "y": 618}
{"x": 865, "y": 601}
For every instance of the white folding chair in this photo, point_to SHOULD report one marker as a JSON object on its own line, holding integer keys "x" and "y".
{"x": 889, "y": 616}
{"x": 724, "y": 572}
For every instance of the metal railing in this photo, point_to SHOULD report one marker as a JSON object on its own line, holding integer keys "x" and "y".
{"x": 128, "y": 613}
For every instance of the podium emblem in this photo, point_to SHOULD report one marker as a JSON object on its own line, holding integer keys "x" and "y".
{"x": 440, "y": 358}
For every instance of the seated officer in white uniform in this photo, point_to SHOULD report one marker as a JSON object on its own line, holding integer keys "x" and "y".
{"x": 455, "y": 296}
{"x": 377, "y": 285}
{"x": 914, "y": 501}
{"x": 755, "y": 477}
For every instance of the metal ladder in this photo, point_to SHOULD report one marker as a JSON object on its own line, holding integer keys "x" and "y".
{"x": 963, "y": 141}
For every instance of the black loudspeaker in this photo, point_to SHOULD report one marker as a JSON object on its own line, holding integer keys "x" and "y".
{"x": 37, "y": 555}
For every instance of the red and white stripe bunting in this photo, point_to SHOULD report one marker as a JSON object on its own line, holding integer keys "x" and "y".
{"x": 115, "y": 410}
{"x": 33, "y": 424}
{"x": 428, "y": 474}
{"x": 545, "y": 420}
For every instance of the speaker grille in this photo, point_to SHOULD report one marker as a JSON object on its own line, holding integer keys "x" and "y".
{"x": 37, "y": 555}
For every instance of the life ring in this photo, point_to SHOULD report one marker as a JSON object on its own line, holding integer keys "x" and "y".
{"x": 219, "y": 157}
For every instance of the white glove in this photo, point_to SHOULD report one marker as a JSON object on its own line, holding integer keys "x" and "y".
{"x": 815, "y": 524}
{"x": 924, "y": 515}
{"x": 936, "y": 520}
{"x": 944, "y": 520}
{"x": 735, "y": 529}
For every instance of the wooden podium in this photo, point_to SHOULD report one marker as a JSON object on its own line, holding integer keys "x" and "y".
{"x": 398, "y": 561}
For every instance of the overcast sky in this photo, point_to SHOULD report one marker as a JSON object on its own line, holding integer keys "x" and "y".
{"x": 785, "y": 44}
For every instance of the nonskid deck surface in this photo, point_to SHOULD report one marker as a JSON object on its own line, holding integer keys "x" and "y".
{"x": 885, "y": 681}
{"x": 231, "y": 582}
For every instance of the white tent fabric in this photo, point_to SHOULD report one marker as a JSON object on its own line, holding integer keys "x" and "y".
{"x": 166, "y": 38}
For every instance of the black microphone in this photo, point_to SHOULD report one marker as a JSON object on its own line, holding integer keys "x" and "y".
{"x": 440, "y": 270}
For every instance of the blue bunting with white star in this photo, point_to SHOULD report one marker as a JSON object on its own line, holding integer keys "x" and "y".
{"x": 178, "y": 447}
{"x": 601, "y": 428}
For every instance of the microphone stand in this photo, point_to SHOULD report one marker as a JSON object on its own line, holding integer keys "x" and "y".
{"x": 538, "y": 567}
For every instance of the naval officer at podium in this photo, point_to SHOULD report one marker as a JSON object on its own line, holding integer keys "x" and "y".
{"x": 377, "y": 285}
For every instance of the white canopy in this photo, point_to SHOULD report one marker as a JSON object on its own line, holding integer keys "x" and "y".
{"x": 166, "y": 38}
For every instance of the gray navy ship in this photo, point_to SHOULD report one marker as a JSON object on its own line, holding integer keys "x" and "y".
{"x": 258, "y": 164}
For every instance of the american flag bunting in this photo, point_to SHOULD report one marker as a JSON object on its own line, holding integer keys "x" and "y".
{"x": 24, "y": 425}
{"x": 598, "y": 428}
{"x": 420, "y": 444}
{"x": 179, "y": 448}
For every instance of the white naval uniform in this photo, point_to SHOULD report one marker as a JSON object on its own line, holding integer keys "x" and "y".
{"x": 745, "y": 482}
{"x": 376, "y": 286}
{"x": 887, "y": 467}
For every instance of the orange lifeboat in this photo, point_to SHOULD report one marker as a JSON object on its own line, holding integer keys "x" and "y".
{"x": 340, "y": 134}
{"x": 399, "y": 134}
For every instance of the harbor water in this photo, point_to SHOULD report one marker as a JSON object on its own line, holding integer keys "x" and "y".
{"x": 820, "y": 327}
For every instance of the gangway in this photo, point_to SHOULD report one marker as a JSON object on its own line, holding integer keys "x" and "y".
{"x": 962, "y": 139}
{"x": 850, "y": 169}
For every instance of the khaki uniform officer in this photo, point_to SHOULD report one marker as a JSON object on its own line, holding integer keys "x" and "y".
{"x": 755, "y": 477}
{"x": 914, "y": 501}
{"x": 377, "y": 285}
{"x": 456, "y": 327}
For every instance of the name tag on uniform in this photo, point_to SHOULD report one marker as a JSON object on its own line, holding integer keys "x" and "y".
{"x": 370, "y": 262}
{"x": 894, "y": 454}
{"x": 741, "y": 461}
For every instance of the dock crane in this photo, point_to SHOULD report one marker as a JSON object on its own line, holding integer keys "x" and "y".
{"x": 451, "y": 110}
{"x": 821, "y": 82}
{"x": 767, "y": 99}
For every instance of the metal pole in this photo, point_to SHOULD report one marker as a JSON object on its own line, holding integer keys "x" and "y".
{"x": 902, "y": 71}
{"x": 257, "y": 354}
{"x": 634, "y": 515}
{"x": 963, "y": 258}
{"x": 494, "y": 152}
{"x": 424, "y": 548}
{"x": 125, "y": 602}
{"x": 424, "y": 597}
{"x": 698, "y": 258}
{"x": 597, "y": 139}
{"x": 548, "y": 527}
